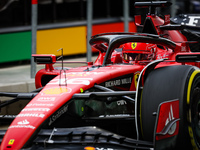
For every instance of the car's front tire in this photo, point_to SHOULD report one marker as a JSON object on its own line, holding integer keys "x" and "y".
{"x": 169, "y": 83}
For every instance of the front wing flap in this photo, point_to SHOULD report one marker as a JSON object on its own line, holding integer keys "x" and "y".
{"x": 82, "y": 137}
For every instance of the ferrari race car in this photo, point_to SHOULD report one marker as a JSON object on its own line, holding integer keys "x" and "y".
{"x": 142, "y": 92}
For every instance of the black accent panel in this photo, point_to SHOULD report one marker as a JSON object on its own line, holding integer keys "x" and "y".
{"x": 81, "y": 137}
{"x": 149, "y": 27}
{"x": 46, "y": 78}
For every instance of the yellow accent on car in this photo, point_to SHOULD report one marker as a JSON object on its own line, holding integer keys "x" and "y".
{"x": 11, "y": 142}
{"x": 190, "y": 85}
{"x": 133, "y": 45}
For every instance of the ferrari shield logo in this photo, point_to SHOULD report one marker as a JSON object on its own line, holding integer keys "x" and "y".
{"x": 133, "y": 45}
{"x": 136, "y": 76}
{"x": 11, "y": 142}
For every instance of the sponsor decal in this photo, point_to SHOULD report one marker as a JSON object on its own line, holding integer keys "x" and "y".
{"x": 81, "y": 74}
{"x": 193, "y": 20}
{"x": 56, "y": 91}
{"x": 22, "y": 124}
{"x": 121, "y": 102}
{"x": 117, "y": 82}
{"x": 31, "y": 115}
{"x": 97, "y": 148}
{"x": 168, "y": 111}
{"x": 89, "y": 148}
{"x": 55, "y": 116}
{"x": 11, "y": 142}
{"x": 46, "y": 99}
{"x": 112, "y": 83}
{"x": 185, "y": 19}
{"x": 171, "y": 117}
{"x": 40, "y": 105}
{"x": 167, "y": 19}
{"x": 162, "y": 56}
{"x": 36, "y": 109}
{"x": 183, "y": 48}
{"x": 84, "y": 81}
{"x": 8, "y": 116}
{"x": 116, "y": 115}
{"x": 126, "y": 80}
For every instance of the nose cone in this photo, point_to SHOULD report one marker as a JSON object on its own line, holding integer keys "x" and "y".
{"x": 16, "y": 136}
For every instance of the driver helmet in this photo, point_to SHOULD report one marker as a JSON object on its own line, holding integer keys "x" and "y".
{"x": 133, "y": 52}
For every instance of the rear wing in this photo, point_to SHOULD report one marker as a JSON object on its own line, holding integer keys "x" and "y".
{"x": 152, "y": 5}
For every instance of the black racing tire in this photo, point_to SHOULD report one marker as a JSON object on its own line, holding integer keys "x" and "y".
{"x": 170, "y": 83}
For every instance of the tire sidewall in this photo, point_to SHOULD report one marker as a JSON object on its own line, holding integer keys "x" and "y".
{"x": 193, "y": 82}
{"x": 172, "y": 82}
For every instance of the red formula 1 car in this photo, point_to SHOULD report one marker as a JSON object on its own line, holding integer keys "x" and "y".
{"x": 142, "y": 92}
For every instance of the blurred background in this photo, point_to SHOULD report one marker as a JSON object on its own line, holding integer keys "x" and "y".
{"x": 63, "y": 24}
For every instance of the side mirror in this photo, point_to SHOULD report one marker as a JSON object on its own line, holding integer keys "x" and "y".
{"x": 44, "y": 59}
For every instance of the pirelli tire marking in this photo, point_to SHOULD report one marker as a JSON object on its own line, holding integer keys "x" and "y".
{"x": 194, "y": 75}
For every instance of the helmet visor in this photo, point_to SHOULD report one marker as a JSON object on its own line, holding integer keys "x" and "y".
{"x": 135, "y": 56}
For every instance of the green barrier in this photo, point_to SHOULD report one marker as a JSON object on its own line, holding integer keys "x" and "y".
{"x": 15, "y": 46}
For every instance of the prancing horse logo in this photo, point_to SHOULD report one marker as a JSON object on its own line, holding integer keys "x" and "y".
{"x": 133, "y": 45}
